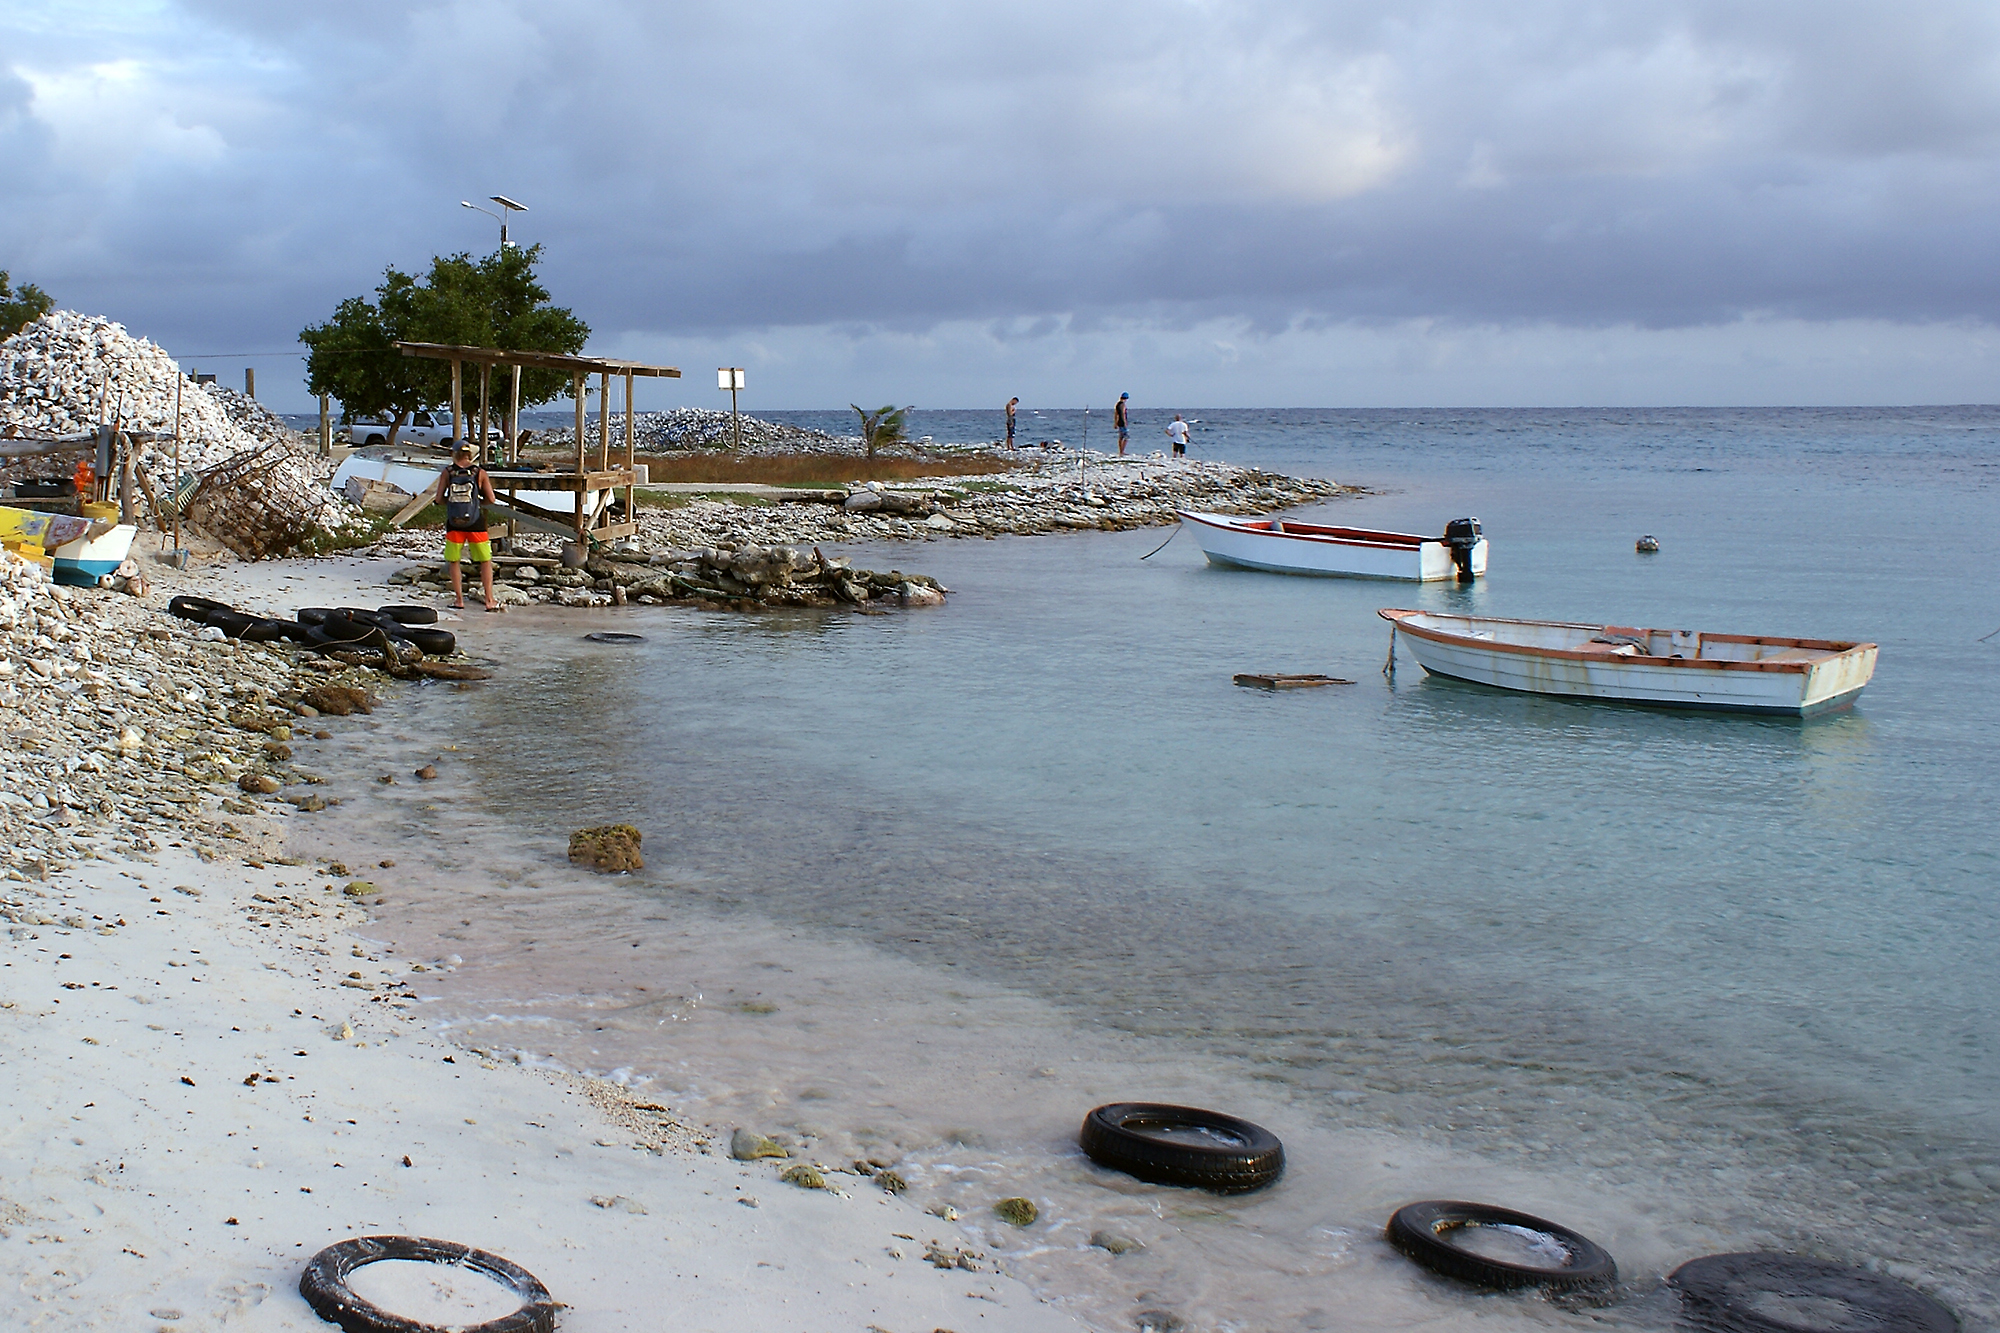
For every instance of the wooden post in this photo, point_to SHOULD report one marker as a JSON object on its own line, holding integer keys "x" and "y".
{"x": 631, "y": 496}
{"x": 576, "y": 387}
{"x": 603, "y": 420}
{"x": 125, "y": 505}
{"x": 457, "y": 401}
{"x": 250, "y": 382}
{"x": 485, "y": 377}
{"x": 514, "y": 419}
{"x": 325, "y": 426}
{"x": 175, "y": 485}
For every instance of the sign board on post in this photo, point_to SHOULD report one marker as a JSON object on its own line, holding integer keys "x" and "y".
{"x": 731, "y": 378}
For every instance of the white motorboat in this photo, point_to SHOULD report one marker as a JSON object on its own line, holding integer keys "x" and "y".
{"x": 1286, "y": 546}
{"x": 1673, "y": 668}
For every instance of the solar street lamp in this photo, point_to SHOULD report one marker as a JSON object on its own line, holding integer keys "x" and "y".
{"x": 506, "y": 204}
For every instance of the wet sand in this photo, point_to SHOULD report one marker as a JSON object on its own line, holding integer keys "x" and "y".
{"x": 210, "y": 1073}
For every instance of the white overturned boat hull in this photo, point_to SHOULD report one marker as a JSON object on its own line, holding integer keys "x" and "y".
{"x": 87, "y": 559}
{"x": 416, "y": 478}
{"x": 1667, "y": 668}
{"x": 1286, "y": 547}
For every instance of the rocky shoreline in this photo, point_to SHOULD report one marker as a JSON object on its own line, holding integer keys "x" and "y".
{"x": 126, "y": 727}
{"x": 761, "y": 545}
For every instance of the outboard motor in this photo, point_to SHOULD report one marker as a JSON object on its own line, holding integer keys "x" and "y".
{"x": 1461, "y": 535}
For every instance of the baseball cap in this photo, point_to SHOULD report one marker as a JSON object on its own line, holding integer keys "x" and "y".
{"x": 464, "y": 449}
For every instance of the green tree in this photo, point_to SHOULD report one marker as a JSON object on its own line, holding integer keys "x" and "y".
{"x": 495, "y": 302}
{"x": 882, "y": 426}
{"x": 19, "y": 309}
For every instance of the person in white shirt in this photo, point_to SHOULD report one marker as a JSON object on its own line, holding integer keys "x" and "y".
{"x": 1177, "y": 431}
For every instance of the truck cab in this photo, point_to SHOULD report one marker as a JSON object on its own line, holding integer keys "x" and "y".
{"x": 423, "y": 430}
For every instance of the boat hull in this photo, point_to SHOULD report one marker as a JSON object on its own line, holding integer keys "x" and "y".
{"x": 1325, "y": 552}
{"x": 87, "y": 559}
{"x": 1777, "y": 677}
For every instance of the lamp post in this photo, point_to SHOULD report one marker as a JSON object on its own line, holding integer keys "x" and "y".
{"x": 507, "y": 205}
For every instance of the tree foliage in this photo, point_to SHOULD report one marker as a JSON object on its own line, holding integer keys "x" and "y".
{"x": 882, "y": 426}
{"x": 495, "y": 302}
{"x": 22, "y": 307}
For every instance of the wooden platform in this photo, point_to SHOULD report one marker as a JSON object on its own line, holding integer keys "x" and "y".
{"x": 1276, "y": 681}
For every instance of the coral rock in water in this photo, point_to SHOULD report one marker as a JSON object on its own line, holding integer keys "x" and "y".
{"x": 610, "y": 847}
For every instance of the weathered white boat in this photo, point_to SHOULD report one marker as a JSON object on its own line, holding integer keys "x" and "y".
{"x": 88, "y": 558}
{"x": 83, "y": 549}
{"x": 1286, "y": 546}
{"x": 1673, "y": 668}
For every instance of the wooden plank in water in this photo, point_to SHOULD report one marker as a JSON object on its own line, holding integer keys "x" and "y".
{"x": 1282, "y": 681}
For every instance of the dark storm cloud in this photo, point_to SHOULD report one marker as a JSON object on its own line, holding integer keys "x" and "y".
{"x": 706, "y": 168}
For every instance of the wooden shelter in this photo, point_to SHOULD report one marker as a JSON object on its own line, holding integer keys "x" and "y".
{"x": 594, "y": 483}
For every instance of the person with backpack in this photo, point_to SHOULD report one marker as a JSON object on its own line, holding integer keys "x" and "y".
{"x": 465, "y": 490}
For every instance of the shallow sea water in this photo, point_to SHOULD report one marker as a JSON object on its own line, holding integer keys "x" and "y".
{"x": 934, "y": 884}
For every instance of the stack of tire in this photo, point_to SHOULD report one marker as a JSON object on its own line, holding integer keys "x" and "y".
{"x": 392, "y": 628}
{"x": 406, "y": 632}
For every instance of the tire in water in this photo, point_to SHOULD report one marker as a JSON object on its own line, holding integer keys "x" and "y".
{"x": 1783, "y": 1293}
{"x": 1182, "y": 1145}
{"x": 433, "y": 642}
{"x": 1426, "y": 1232}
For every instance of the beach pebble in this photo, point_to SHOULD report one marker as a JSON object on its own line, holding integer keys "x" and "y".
{"x": 261, "y": 784}
{"x": 359, "y": 888}
{"x": 427, "y": 772}
{"x": 892, "y": 1181}
{"x": 943, "y": 1210}
{"x": 1114, "y": 1242}
{"x": 803, "y": 1174}
{"x": 747, "y": 1146}
{"x": 619, "y": 1201}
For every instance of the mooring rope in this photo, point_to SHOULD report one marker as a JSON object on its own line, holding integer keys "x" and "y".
{"x": 1177, "y": 532}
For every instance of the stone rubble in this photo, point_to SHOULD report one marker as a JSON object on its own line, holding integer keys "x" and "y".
{"x": 689, "y": 428}
{"x": 736, "y": 577}
{"x": 121, "y": 727}
{"x": 65, "y": 372}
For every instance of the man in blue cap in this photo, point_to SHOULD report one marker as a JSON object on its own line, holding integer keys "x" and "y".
{"x": 1122, "y": 420}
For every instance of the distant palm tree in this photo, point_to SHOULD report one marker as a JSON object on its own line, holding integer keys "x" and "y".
{"x": 882, "y": 426}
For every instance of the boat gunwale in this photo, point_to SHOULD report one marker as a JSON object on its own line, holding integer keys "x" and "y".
{"x": 1392, "y": 541}
{"x": 1397, "y": 616}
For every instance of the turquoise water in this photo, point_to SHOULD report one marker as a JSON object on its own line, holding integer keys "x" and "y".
{"x": 1741, "y": 971}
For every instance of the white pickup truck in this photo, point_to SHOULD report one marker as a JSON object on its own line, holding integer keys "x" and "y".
{"x": 422, "y": 430}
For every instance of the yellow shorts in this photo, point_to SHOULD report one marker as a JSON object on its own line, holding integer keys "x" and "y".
{"x": 456, "y": 542}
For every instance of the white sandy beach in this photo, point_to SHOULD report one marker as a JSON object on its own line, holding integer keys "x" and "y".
{"x": 207, "y": 1078}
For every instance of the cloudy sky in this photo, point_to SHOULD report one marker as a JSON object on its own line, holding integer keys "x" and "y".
{"x": 1282, "y": 202}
